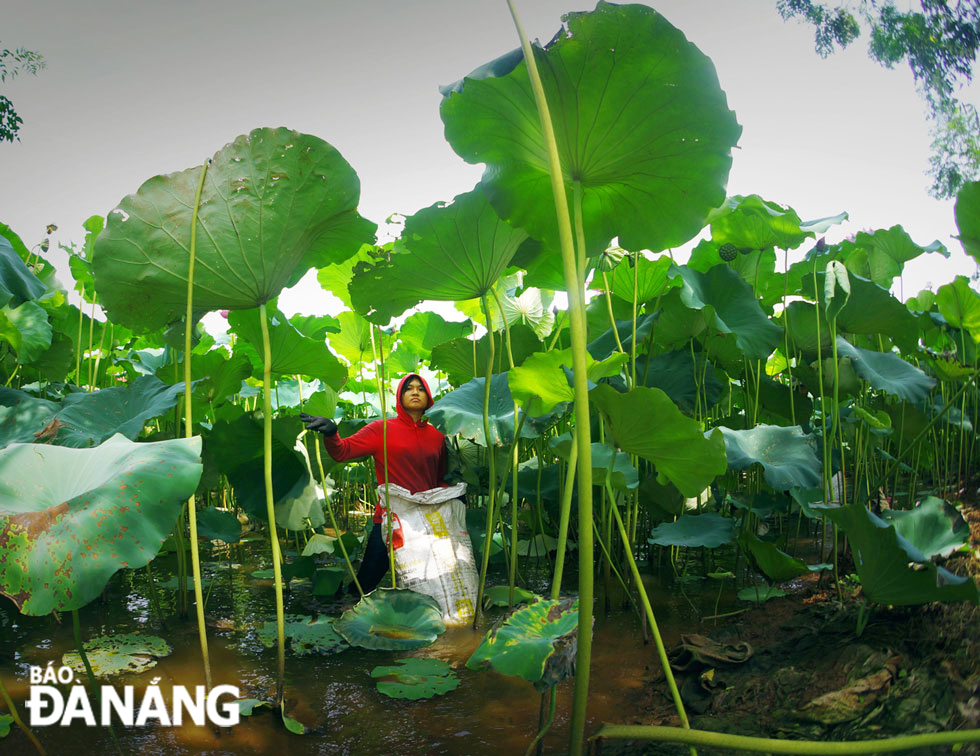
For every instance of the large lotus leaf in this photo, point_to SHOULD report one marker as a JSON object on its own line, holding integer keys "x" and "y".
{"x": 23, "y": 415}
{"x": 292, "y": 352}
{"x": 537, "y": 643}
{"x": 463, "y": 359}
{"x": 645, "y": 421}
{"x": 676, "y": 324}
{"x": 967, "y": 212}
{"x": 392, "y": 619}
{"x": 754, "y": 223}
{"x": 219, "y": 376}
{"x": 88, "y": 419}
{"x": 466, "y": 243}
{"x": 605, "y": 460}
{"x": 887, "y": 371}
{"x": 960, "y": 305}
{"x": 934, "y": 527}
{"x": 305, "y": 635}
{"x": 732, "y": 306}
{"x": 541, "y": 382}
{"x": 605, "y": 345}
{"x": 641, "y": 124}
{"x": 70, "y": 518}
{"x": 891, "y": 570}
{"x": 870, "y": 309}
{"x": 532, "y": 307}
{"x": 353, "y": 340}
{"x": 677, "y": 375}
{"x": 787, "y": 456}
{"x": 128, "y": 654}
{"x": 18, "y": 284}
{"x": 275, "y": 202}
{"x": 775, "y": 564}
{"x": 650, "y": 278}
{"x": 709, "y": 530}
{"x": 786, "y": 402}
{"x": 424, "y": 331}
{"x": 460, "y": 412}
{"x": 57, "y": 361}
{"x": 803, "y": 320}
{"x": 335, "y": 277}
{"x": 44, "y": 270}
{"x": 26, "y": 329}
{"x": 416, "y": 678}
{"x": 218, "y": 525}
{"x": 881, "y": 255}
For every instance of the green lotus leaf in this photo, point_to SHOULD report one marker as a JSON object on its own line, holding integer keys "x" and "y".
{"x": 881, "y": 255}
{"x": 676, "y": 375}
{"x": 536, "y": 642}
{"x": 646, "y": 422}
{"x": 247, "y": 706}
{"x": 642, "y": 126}
{"x": 758, "y": 595}
{"x": 709, "y": 530}
{"x": 236, "y": 447}
{"x": 462, "y": 361}
{"x": 605, "y": 460}
{"x": 754, "y": 223}
{"x": 416, "y": 678}
{"x": 870, "y": 309}
{"x": 787, "y": 455}
{"x": 787, "y": 403}
{"x": 424, "y": 331}
{"x": 605, "y": 345}
{"x": 775, "y": 564}
{"x": 218, "y": 376}
{"x": 22, "y": 415}
{"x": 17, "y": 283}
{"x": 960, "y": 305}
{"x": 327, "y": 544}
{"x": 336, "y": 277}
{"x": 110, "y": 655}
{"x": 730, "y": 307}
{"x": 460, "y": 412}
{"x": 393, "y": 619}
{"x": 70, "y": 518}
{"x": 292, "y": 352}
{"x": 57, "y": 361}
{"x": 306, "y": 635}
{"x": 967, "y": 213}
{"x": 934, "y": 527}
{"x": 465, "y": 241}
{"x": 6, "y": 720}
{"x": 88, "y": 419}
{"x": 532, "y": 307}
{"x": 651, "y": 278}
{"x": 887, "y": 371}
{"x": 878, "y": 420}
{"x": 42, "y": 269}
{"x": 218, "y": 525}
{"x": 353, "y": 341}
{"x": 499, "y": 595}
{"x": 891, "y": 570}
{"x": 275, "y": 203}
{"x": 26, "y": 329}
{"x": 327, "y": 581}
{"x": 322, "y": 403}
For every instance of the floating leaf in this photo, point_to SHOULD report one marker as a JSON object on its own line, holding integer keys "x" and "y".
{"x": 709, "y": 530}
{"x": 392, "y": 619}
{"x": 275, "y": 203}
{"x": 536, "y": 642}
{"x": 5, "y": 722}
{"x": 110, "y": 655}
{"x": 305, "y": 635}
{"x": 70, "y": 518}
{"x": 416, "y": 678}
{"x": 499, "y": 595}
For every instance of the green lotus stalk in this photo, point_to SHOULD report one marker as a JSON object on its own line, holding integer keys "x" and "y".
{"x": 379, "y": 374}
{"x": 491, "y": 463}
{"x": 576, "y": 298}
{"x": 189, "y": 432}
{"x": 18, "y": 721}
{"x": 609, "y": 309}
{"x": 91, "y": 338}
{"x": 78, "y": 341}
{"x": 774, "y": 745}
{"x": 270, "y": 507}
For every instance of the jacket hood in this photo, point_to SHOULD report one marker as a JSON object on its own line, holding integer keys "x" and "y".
{"x": 398, "y": 395}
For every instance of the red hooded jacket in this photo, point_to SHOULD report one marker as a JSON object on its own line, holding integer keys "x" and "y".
{"x": 416, "y": 451}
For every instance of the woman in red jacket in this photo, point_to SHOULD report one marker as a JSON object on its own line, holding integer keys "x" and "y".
{"x": 416, "y": 460}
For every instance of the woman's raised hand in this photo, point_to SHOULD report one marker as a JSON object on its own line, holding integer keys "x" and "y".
{"x": 323, "y": 425}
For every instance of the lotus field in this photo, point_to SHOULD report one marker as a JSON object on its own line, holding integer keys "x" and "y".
{"x": 765, "y": 416}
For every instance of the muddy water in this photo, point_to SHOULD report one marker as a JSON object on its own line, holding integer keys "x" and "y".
{"x": 333, "y": 695}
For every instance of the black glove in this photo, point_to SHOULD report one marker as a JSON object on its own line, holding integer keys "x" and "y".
{"x": 323, "y": 425}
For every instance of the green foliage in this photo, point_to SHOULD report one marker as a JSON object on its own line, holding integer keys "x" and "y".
{"x": 392, "y": 619}
{"x": 709, "y": 530}
{"x": 111, "y": 655}
{"x": 415, "y": 679}
{"x": 933, "y": 527}
{"x": 12, "y": 62}
{"x": 787, "y": 456}
{"x": 306, "y": 635}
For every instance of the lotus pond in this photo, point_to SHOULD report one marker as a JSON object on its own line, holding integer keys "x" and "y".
{"x": 749, "y": 451}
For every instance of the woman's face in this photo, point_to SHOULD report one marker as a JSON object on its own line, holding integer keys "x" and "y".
{"x": 414, "y": 396}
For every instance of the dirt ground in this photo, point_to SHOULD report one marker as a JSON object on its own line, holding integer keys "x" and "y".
{"x": 809, "y": 676}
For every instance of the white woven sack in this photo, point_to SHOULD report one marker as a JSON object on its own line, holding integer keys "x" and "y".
{"x": 436, "y": 557}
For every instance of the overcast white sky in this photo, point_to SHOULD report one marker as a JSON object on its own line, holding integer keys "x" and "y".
{"x": 136, "y": 88}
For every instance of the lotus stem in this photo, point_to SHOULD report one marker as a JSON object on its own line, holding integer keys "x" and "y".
{"x": 189, "y": 432}
{"x": 775, "y": 745}
{"x": 18, "y": 721}
{"x": 576, "y": 297}
{"x": 270, "y": 507}
{"x": 491, "y": 462}
{"x": 564, "y": 517}
{"x": 546, "y": 725}
{"x": 379, "y": 375}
